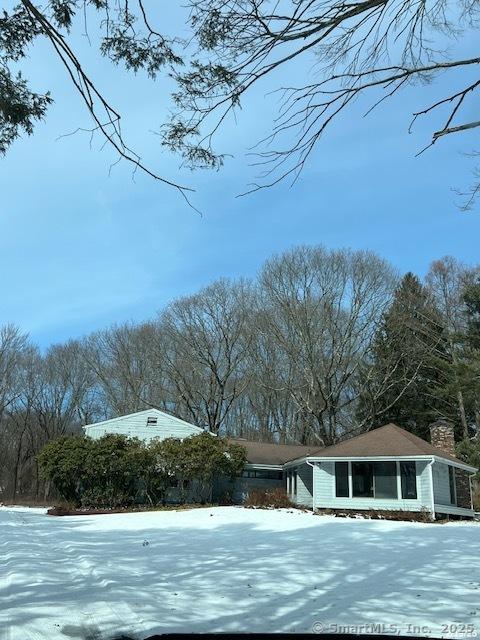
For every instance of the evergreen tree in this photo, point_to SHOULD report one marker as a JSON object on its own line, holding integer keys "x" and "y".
{"x": 470, "y": 361}
{"x": 471, "y": 298}
{"x": 409, "y": 362}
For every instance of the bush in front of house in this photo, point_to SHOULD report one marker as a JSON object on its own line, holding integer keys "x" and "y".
{"x": 63, "y": 463}
{"x": 109, "y": 472}
{"x": 268, "y": 499}
{"x": 115, "y": 471}
{"x": 378, "y": 514}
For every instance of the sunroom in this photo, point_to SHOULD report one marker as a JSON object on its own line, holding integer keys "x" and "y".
{"x": 388, "y": 469}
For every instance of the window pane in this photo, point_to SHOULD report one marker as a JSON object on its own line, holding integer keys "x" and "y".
{"x": 386, "y": 480}
{"x": 295, "y": 482}
{"x": 267, "y": 474}
{"x": 451, "y": 478}
{"x": 362, "y": 478}
{"x": 409, "y": 480}
{"x": 341, "y": 479}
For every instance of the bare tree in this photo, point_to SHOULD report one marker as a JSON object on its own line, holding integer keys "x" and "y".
{"x": 322, "y": 309}
{"x": 447, "y": 279}
{"x": 65, "y": 400}
{"x": 206, "y": 339}
{"x": 12, "y": 347}
{"x": 127, "y": 373}
{"x": 22, "y": 432}
{"x": 373, "y": 47}
{"x": 126, "y": 37}
{"x": 269, "y": 413}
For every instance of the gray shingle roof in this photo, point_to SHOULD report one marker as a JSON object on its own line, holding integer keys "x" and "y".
{"x": 271, "y": 453}
{"x": 389, "y": 440}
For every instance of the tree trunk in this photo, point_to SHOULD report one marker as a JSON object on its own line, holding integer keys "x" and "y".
{"x": 463, "y": 417}
{"x": 16, "y": 468}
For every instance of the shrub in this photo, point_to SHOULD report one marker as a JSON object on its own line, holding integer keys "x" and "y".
{"x": 226, "y": 499}
{"x": 63, "y": 462}
{"x": 115, "y": 471}
{"x": 268, "y": 499}
{"x": 195, "y": 462}
{"x": 109, "y": 472}
{"x": 379, "y": 514}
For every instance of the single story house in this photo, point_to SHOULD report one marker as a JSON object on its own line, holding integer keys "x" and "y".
{"x": 265, "y": 461}
{"x": 265, "y": 468}
{"x": 387, "y": 468}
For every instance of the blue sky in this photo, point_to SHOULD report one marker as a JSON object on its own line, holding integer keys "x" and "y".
{"x": 80, "y": 250}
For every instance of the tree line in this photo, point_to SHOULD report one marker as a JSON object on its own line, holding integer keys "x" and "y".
{"x": 320, "y": 346}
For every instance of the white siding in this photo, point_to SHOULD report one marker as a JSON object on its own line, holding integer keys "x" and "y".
{"x": 304, "y": 495}
{"x": 304, "y": 485}
{"x": 135, "y": 426}
{"x": 324, "y": 484}
{"x": 441, "y": 491}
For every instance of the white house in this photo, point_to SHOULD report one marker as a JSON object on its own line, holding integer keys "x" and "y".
{"x": 145, "y": 425}
{"x": 387, "y": 468}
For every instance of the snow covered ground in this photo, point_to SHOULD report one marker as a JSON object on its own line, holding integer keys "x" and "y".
{"x": 233, "y": 569}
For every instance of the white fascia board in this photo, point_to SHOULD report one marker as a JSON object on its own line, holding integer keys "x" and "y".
{"x": 127, "y": 415}
{"x": 267, "y": 467}
{"x": 297, "y": 461}
{"x": 460, "y": 465}
{"x": 454, "y": 510}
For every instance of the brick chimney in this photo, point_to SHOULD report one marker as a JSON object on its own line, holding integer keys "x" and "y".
{"x": 441, "y": 436}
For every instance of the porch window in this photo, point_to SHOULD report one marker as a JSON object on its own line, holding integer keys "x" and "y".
{"x": 362, "y": 479}
{"x": 374, "y": 480}
{"x": 451, "y": 480}
{"x": 409, "y": 480}
{"x": 341, "y": 480}
{"x": 385, "y": 479}
{"x": 263, "y": 474}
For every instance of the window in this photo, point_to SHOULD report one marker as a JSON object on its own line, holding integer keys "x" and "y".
{"x": 263, "y": 474}
{"x": 408, "y": 476}
{"x": 151, "y": 420}
{"x": 341, "y": 480}
{"x": 362, "y": 479}
{"x": 385, "y": 480}
{"x": 268, "y": 474}
{"x": 451, "y": 479}
{"x": 375, "y": 480}
{"x": 295, "y": 475}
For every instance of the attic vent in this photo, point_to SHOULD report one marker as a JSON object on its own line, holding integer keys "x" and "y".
{"x": 151, "y": 421}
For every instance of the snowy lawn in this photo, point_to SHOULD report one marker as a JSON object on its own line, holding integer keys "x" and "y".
{"x": 231, "y": 569}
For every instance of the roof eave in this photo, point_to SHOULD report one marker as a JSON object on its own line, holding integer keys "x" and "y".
{"x": 459, "y": 464}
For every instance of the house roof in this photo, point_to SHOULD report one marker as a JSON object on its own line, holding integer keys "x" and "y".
{"x": 389, "y": 440}
{"x": 145, "y": 412}
{"x": 270, "y": 453}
